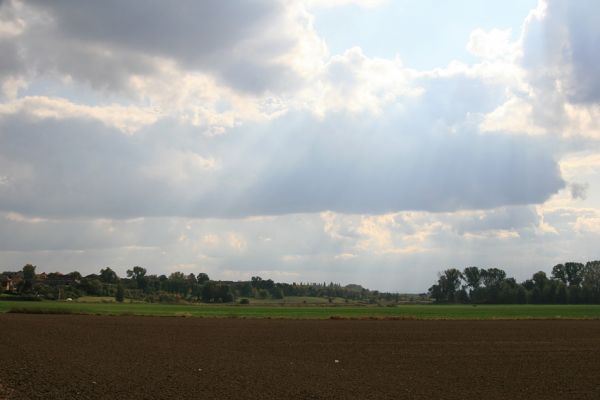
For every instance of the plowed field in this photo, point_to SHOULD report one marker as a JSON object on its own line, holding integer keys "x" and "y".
{"x": 99, "y": 357}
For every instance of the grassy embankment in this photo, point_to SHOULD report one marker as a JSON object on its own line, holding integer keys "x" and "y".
{"x": 311, "y": 311}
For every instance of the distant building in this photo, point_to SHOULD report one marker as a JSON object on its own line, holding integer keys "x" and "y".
{"x": 10, "y": 280}
{"x": 54, "y": 279}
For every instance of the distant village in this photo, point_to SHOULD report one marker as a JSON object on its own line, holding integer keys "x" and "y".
{"x": 12, "y": 281}
{"x": 178, "y": 287}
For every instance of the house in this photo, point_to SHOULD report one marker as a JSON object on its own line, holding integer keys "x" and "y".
{"x": 10, "y": 280}
{"x": 6, "y": 284}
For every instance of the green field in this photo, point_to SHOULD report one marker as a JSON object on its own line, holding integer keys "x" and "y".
{"x": 314, "y": 311}
{"x": 289, "y": 300}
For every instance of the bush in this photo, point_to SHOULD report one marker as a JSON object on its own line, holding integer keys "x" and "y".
{"x": 244, "y": 301}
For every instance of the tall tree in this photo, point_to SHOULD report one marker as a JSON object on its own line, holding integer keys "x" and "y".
{"x": 493, "y": 277}
{"x": 138, "y": 274}
{"x": 28, "y": 278}
{"x": 558, "y": 272}
{"x": 177, "y": 282}
{"x": 540, "y": 280}
{"x": 447, "y": 287}
{"x": 591, "y": 281}
{"x": 574, "y": 272}
{"x": 473, "y": 277}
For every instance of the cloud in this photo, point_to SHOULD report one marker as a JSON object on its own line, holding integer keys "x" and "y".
{"x": 578, "y": 190}
{"x": 560, "y": 50}
{"x": 365, "y": 135}
{"x": 338, "y": 3}
{"x": 252, "y": 46}
{"x": 295, "y": 164}
{"x": 125, "y": 118}
{"x": 499, "y": 219}
{"x": 383, "y": 167}
{"x": 415, "y": 245}
{"x": 356, "y": 83}
{"x": 223, "y": 137}
{"x": 11, "y": 26}
{"x": 559, "y": 90}
{"x": 493, "y": 45}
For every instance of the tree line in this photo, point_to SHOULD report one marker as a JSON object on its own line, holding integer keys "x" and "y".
{"x": 176, "y": 287}
{"x": 568, "y": 283}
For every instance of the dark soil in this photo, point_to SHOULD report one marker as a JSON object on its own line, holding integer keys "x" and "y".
{"x": 93, "y": 357}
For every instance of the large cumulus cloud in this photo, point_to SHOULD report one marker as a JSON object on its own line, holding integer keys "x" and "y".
{"x": 297, "y": 163}
{"x": 559, "y": 88}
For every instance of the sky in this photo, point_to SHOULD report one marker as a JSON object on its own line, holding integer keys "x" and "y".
{"x": 355, "y": 141}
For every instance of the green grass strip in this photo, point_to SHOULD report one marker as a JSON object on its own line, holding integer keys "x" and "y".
{"x": 485, "y": 312}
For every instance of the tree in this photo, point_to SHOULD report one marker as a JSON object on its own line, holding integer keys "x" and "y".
{"x": 574, "y": 272}
{"x": 574, "y": 295}
{"x": 507, "y": 292}
{"x": 75, "y": 275}
{"x": 92, "y": 286}
{"x": 138, "y": 274}
{"x": 120, "y": 295}
{"x": 276, "y": 293}
{"x": 256, "y": 282}
{"x": 28, "y": 278}
{"x": 177, "y": 282}
{"x": 560, "y": 294}
{"x": 570, "y": 273}
{"x": 29, "y": 272}
{"x": 540, "y": 280}
{"x": 528, "y": 284}
{"x": 448, "y": 284}
{"x": 473, "y": 277}
{"x": 558, "y": 272}
{"x": 107, "y": 275}
{"x": 202, "y": 278}
{"x": 217, "y": 292}
{"x": 521, "y": 295}
{"x": 153, "y": 283}
{"x": 536, "y": 295}
{"x": 492, "y": 277}
{"x": 245, "y": 289}
{"x": 591, "y": 281}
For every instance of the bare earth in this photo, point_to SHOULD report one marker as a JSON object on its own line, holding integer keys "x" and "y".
{"x": 92, "y": 357}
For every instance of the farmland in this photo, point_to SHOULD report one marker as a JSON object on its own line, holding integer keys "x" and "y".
{"x": 103, "y": 357}
{"x": 312, "y": 311}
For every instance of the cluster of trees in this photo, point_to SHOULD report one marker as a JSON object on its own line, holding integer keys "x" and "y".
{"x": 569, "y": 283}
{"x": 140, "y": 285}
